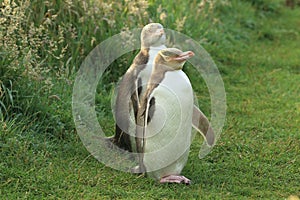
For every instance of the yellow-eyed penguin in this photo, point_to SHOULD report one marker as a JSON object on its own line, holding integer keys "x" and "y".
{"x": 164, "y": 118}
{"x": 133, "y": 83}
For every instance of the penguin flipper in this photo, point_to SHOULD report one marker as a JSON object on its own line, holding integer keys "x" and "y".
{"x": 126, "y": 101}
{"x": 202, "y": 125}
{"x": 145, "y": 112}
{"x": 121, "y": 139}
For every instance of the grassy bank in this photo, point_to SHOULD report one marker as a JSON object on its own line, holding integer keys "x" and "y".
{"x": 255, "y": 45}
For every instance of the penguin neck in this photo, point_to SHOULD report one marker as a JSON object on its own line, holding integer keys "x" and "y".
{"x": 153, "y": 48}
{"x": 158, "y": 74}
{"x": 140, "y": 60}
{"x": 158, "y": 48}
{"x": 152, "y": 52}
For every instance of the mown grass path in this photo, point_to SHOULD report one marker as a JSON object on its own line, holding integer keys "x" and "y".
{"x": 262, "y": 135}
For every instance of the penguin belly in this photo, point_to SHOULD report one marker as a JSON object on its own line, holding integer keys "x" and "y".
{"x": 168, "y": 134}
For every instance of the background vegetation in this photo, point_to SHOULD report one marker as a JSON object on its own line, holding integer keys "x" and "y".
{"x": 255, "y": 45}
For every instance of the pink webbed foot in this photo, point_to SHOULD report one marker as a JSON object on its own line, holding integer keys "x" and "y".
{"x": 175, "y": 179}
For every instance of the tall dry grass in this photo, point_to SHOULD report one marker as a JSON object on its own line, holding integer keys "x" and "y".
{"x": 44, "y": 42}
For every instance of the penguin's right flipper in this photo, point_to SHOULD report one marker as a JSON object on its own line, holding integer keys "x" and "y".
{"x": 202, "y": 125}
{"x": 126, "y": 101}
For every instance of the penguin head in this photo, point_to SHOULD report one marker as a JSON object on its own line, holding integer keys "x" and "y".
{"x": 153, "y": 34}
{"x": 173, "y": 58}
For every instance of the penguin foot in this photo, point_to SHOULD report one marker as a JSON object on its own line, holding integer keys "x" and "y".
{"x": 136, "y": 170}
{"x": 175, "y": 179}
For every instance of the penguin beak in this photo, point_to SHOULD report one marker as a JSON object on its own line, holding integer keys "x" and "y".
{"x": 160, "y": 32}
{"x": 184, "y": 56}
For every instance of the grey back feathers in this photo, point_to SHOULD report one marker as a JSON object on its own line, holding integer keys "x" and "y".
{"x": 130, "y": 87}
{"x": 127, "y": 99}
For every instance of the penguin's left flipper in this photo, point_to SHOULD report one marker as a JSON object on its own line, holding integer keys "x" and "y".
{"x": 202, "y": 125}
{"x": 144, "y": 116}
{"x": 175, "y": 179}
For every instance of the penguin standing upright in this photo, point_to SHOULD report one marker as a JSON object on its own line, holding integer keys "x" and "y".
{"x": 132, "y": 85}
{"x": 164, "y": 118}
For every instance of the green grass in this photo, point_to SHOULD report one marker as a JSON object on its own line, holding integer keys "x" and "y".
{"x": 258, "y": 154}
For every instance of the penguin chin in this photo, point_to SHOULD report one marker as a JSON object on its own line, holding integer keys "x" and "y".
{"x": 161, "y": 40}
{"x": 180, "y": 65}
{"x": 177, "y": 67}
{"x": 155, "y": 42}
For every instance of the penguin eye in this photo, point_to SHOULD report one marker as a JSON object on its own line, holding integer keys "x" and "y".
{"x": 169, "y": 54}
{"x": 152, "y": 29}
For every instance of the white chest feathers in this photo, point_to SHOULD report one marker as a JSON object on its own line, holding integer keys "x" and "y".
{"x": 146, "y": 72}
{"x": 168, "y": 134}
